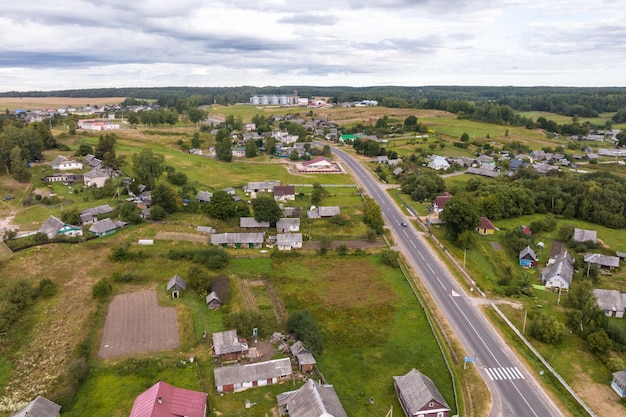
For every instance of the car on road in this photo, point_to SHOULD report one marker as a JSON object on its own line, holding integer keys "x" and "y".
{"x": 404, "y": 224}
{"x": 8, "y": 197}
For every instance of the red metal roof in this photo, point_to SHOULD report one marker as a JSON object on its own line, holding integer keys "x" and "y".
{"x": 485, "y": 223}
{"x": 165, "y": 400}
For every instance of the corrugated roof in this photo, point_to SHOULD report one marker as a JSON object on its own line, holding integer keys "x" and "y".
{"x": 178, "y": 281}
{"x": 312, "y": 400}
{"x": 39, "y": 407}
{"x": 286, "y": 223}
{"x": 227, "y": 342}
{"x": 51, "y": 226}
{"x": 583, "y": 235}
{"x": 251, "y": 222}
{"x": 165, "y": 400}
{"x": 103, "y": 226}
{"x": 233, "y": 238}
{"x": 283, "y": 239}
{"x": 417, "y": 390}
{"x": 238, "y": 374}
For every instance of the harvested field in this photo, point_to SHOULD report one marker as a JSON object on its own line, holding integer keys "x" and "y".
{"x": 35, "y": 103}
{"x": 135, "y": 323}
{"x": 190, "y": 237}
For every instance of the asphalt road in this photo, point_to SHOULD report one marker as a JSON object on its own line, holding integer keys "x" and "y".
{"x": 514, "y": 390}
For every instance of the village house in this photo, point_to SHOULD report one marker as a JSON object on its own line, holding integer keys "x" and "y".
{"x": 241, "y": 377}
{"x": 619, "y": 383}
{"x": 227, "y": 345}
{"x": 439, "y": 203}
{"x": 90, "y": 215}
{"x": 97, "y": 124}
{"x": 238, "y": 240}
{"x": 213, "y": 302}
{"x": 320, "y": 164}
{"x": 105, "y": 227}
{"x": 252, "y": 223}
{"x": 289, "y": 241}
{"x": 312, "y": 399}
{"x": 323, "y": 212}
{"x": 303, "y": 358}
{"x": 165, "y": 400}
{"x": 95, "y": 178}
{"x": 559, "y": 272}
{"x": 286, "y": 225}
{"x": 92, "y": 161}
{"x": 39, "y": 407}
{"x": 261, "y": 187}
{"x": 527, "y": 257}
{"x": 486, "y": 227}
{"x": 203, "y": 197}
{"x": 612, "y": 302}
{"x": 603, "y": 261}
{"x": 584, "y": 235}
{"x": 176, "y": 284}
{"x": 54, "y": 227}
{"x": 64, "y": 178}
{"x": 419, "y": 396}
{"x": 284, "y": 193}
{"x": 438, "y": 163}
{"x": 292, "y": 211}
{"x": 63, "y": 163}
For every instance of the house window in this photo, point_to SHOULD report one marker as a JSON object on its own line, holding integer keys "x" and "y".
{"x": 431, "y": 404}
{"x": 440, "y": 414}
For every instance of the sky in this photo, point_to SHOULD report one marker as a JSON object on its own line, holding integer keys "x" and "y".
{"x": 75, "y": 44}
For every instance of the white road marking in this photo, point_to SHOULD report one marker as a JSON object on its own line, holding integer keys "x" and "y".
{"x": 502, "y": 373}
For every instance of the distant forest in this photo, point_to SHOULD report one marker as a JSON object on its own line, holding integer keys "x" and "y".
{"x": 492, "y": 104}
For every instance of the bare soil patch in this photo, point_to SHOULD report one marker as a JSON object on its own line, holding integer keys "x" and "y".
{"x": 496, "y": 245}
{"x": 190, "y": 237}
{"x": 135, "y": 323}
{"x": 600, "y": 397}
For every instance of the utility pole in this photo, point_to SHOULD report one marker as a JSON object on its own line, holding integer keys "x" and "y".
{"x": 464, "y": 257}
{"x": 524, "y": 325}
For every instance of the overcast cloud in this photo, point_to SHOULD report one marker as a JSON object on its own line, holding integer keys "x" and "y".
{"x": 63, "y": 44}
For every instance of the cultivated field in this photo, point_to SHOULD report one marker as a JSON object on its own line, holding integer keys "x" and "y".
{"x": 36, "y": 103}
{"x": 135, "y": 324}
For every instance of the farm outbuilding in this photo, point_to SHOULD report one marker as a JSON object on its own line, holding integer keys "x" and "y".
{"x": 176, "y": 285}
{"x": 213, "y": 302}
{"x": 241, "y": 377}
{"x": 527, "y": 257}
{"x": 312, "y": 399}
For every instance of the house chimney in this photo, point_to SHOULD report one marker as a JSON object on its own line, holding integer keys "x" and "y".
{"x": 160, "y": 400}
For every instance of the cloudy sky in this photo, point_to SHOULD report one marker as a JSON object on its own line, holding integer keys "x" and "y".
{"x": 67, "y": 44}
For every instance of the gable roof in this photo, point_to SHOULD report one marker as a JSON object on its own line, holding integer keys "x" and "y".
{"x": 204, "y": 196}
{"x": 227, "y": 342}
{"x": 283, "y": 239}
{"x": 312, "y": 400}
{"x": 213, "y": 297}
{"x": 103, "y": 226}
{"x": 251, "y": 222}
{"x": 609, "y": 300}
{"x": 95, "y": 211}
{"x": 485, "y": 223}
{"x": 281, "y": 190}
{"x": 252, "y": 372}
{"x": 527, "y": 251}
{"x": 316, "y": 161}
{"x": 51, "y": 226}
{"x": 563, "y": 267}
{"x": 39, "y": 407}
{"x": 602, "y": 260}
{"x": 417, "y": 390}
{"x": 177, "y": 280}
{"x": 583, "y": 235}
{"x": 165, "y": 400}
{"x": 441, "y": 200}
{"x": 233, "y": 238}
{"x": 285, "y": 222}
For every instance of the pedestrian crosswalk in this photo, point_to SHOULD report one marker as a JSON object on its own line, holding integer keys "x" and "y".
{"x": 497, "y": 374}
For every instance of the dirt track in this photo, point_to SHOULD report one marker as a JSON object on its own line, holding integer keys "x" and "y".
{"x": 135, "y": 323}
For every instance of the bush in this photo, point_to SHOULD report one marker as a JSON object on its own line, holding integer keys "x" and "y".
{"x": 101, "y": 290}
{"x": 599, "y": 343}
{"x": 304, "y": 327}
{"x": 391, "y": 258}
{"x": 615, "y": 364}
{"x": 47, "y": 288}
{"x": 123, "y": 254}
{"x": 213, "y": 258}
{"x": 342, "y": 249}
{"x": 547, "y": 329}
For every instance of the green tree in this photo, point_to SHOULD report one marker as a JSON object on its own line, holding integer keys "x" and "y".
{"x": 391, "y": 258}
{"x": 459, "y": 216}
{"x": 317, "y": 194}
{"x": 222, "y": 206}
{"x": 547, "y": 329}
{"x": 599, "y": 343}
{"x": 164, "y": 196}
{"x": 101, "y": 290}
{"x": 410, "y": 123}
{"x": 84, "y": 149}
{"x": 148, "y": 167}
{"x": 266, "y": 209}
{"x": 195, "y": 140}
{"x": 105, "y": 150}
{"x": 129, "y": 212}
{"x": 586, "y": 316}
{"x": 198, "y": 280}
{"x": 195, "y": 115}
{"x": 19, "y": 171}
{"x": 251, "y": 149}
{"x": 372, "y": 215}
{"x": 270, "y": 146}
{"x": 304, "y": 327}
{"x": 71, "y": 216}
{"x": 223, "y": 151}
{"x": 465, "y": 137}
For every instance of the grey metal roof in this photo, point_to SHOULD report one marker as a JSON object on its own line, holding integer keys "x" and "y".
{"x": 103, "y": 226}
{"x": 51, "y": 226}
{"x": 211, "y": 297}
{"x": 286, "y": 223}
{"x": 563, "y": 267}
{"x": 583, "y": 235}
{"x": 251, "y": 222}
{"x": 227, "y": 342}
{"x": 609, "y": 300}
{"x": 233, "y": 238}
{"x": 283, "y": 239}
{"x": 101, "y": 209}
{"x": 204, "y": 196}
{"x": 417, "y": 390}
{"x": 620, "y": 377}
{"x": 602, "y": 260}
{"x": 527, "y": 251}
{"x": 39, "y": 407}
{"x": 305, "y": 358}
{"x": 297, "y": 348}
{"x": 177, "y": 280}
{"x": 238, "y": 374}
{"x": 312, "y": 400}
